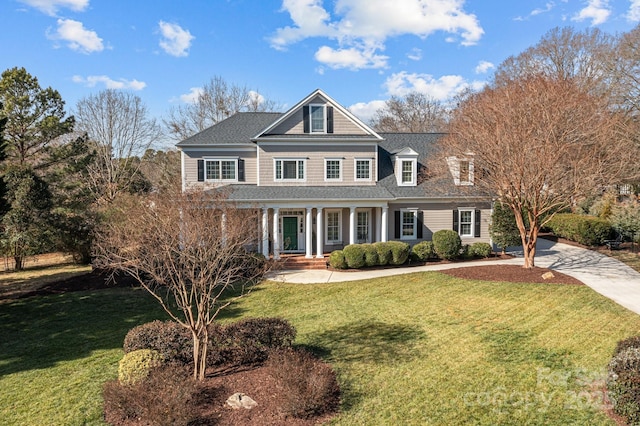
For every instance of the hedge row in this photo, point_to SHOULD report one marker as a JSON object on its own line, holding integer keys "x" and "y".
{"x": 623, "y": 380}
{"x": 446, "y": 245}
{"x": 586, "y": 230}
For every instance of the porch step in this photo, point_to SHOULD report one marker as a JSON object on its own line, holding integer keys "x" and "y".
{"x": 301, "y": 262}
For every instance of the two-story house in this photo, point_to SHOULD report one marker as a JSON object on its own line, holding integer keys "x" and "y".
{"x": 323, "y": 179}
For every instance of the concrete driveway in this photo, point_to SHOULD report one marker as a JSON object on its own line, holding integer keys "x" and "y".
{"x": 606, "y": 275}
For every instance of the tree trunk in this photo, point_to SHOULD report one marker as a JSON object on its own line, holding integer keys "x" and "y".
{"x": 200, "y": 343}
{"x": 18, "y": 263}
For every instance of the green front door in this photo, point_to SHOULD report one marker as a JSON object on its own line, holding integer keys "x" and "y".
{"x": 290, "y": 233}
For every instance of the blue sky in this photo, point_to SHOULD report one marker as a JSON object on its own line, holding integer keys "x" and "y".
{"x": 360, "y": 52}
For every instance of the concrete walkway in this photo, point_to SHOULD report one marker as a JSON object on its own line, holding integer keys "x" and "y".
{"x": 603, "y": 274}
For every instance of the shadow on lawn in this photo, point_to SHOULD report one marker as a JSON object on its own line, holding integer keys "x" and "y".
{"x": 40, "y": 331}
{"x": 371, "y": 342}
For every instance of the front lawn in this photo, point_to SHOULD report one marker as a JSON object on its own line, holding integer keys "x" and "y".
{"x": 418, "y": 349}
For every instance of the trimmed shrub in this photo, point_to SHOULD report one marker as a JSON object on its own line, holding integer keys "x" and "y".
{"x": 630, "y": 342}
{"x": 586, "y": 230}
{"x": 384, "y": 252}
{"x": 424, "y": 251}
{"x": 354, "y": 256}
{"x": 310, "y": 386}
{"x": 248, "y": 341}
{"x": 399, "y": 252}
{"x": 337, "y": 260}
{"x": 136, "y": 365}
{"x": 166, "y": 397}
{"x": 480, "y": 249}
{"x": 623, "y": 384}
{"x": 370, "y": 255}
{"x": 447, "y": 244}
{"x": 170, "y": 339}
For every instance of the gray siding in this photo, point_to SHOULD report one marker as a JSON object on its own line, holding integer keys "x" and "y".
{"x": 315, "y": 163}
{"x": 191, "y": 158}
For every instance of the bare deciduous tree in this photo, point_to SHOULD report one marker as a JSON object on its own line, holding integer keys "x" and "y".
{"x": 118, "y": 125}
{"x": 189, "y": 251}
{"x": 216, "y": 101}
{"x": 539, "y": 144}
{"x": 564, "y": 53}
{"x": 413, "y": 113}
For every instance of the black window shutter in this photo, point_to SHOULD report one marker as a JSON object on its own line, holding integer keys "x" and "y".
{"x": 305, "y": 119}
{"x": 477, "y": 224}
{"x": 200, "y": 170}
{"x": 420, "y": 221}
{"x": 397, "y": 223}
{"x": 456, "y": 226}
{"x": 241, "y": 170}
{"x": 329, "y": 119}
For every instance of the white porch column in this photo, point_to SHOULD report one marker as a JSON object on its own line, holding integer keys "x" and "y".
{"x": 378, "y": 224}
{"x": 352, "y": 225}
{"x": 265, "y": 231}
{"x": 385, "y": 224}
{"x": 309, "y": 234}
{"x": 276, "y": 233}
{"x": 319, "y": 234}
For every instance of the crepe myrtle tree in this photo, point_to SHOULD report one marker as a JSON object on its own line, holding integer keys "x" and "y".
{"x": 190, "y": 251}
{"x": 538, "y": 144}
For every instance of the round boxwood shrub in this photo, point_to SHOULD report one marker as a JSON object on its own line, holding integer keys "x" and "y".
{"x": 336, "y": 260}
{"x": 623, "y": 384}
{"x": 424, "y": 251}
{"x": 447, "y": 244}
{"x": 370, "y": 255}
{"x": 136, "y": 365}
{"x": 399, "y": 252}
{"x": 354, "y": 256}
{"x": 384, "y": 252}
{"x": 173, "y": 341}
{"x": 480, "y": 249}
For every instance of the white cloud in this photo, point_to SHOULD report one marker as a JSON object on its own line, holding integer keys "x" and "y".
{"x": 597, "y": 11}
{"x": 255, "y": 98}
{"x": 634, "y": 11}
{"x": 351, "y": 58}
{"x": 484, "y": 67}
{"x": 443, "y": 89}
{"x": 50, "y": 7}
{"x": 94, "y": 80}
{"x": 548, "y": 7}
{"x": 192, "y": 96}
{"x": 365, "y": 110}
{"x": 77, "y": 36}
{"x": 415, "y": 54}
{"x": 175, "y": 41}
{"x": 356, "y": 25}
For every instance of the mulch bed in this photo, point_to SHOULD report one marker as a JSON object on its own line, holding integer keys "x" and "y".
{"x": 511, "y": 273}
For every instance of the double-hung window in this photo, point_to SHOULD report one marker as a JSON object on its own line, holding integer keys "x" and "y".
{"x": 408, "y": 225}
{"x": 293, "y": 170}
{"x": 363, "y": 169}
{"x": 466, "y": 223}
{"x": 362, "y": 226}
{"x": 316, "y": 113}
{"x": 333, "y": 220}
{"x": 407, "y": 172}
{"x": 333, "y": 169}
{"x": 221, "y": 169}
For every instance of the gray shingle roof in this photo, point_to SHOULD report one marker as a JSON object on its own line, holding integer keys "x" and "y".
{"x": 285, "y": 193}
{"x": 237, "y": 129}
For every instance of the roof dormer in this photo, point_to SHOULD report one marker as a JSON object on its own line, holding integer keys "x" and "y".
{"x": 462, "y": 169}
{"x": 405, "y": 166}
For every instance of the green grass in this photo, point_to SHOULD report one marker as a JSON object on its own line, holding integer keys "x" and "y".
{"x": 415, "y": 349}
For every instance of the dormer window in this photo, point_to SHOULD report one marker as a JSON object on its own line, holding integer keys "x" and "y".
{"x": 462, "y": 170}
{"x": 406, "y": 167}
{"x": 318, "y": 118}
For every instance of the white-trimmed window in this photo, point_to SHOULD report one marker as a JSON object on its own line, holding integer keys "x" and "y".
{"x": 408, "y": 224}
{"x": 333, "y": 225}
{"x": 333, "y": 169}
{"x": 362, "y": 226}
{"x": 317, "y": 118}
{"x": 465, "y": 223}
{"x": 465, "y": 172}
{"x": 362, "y": 169}
{"x": 290, "y": 169}
{"x": 407, "y": 172}
{"x": 218, "y": 169}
